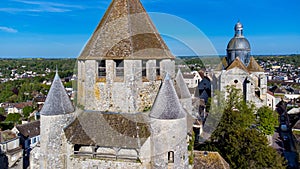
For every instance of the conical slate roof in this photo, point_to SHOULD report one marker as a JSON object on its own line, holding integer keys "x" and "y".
{"x": 57, "y": 101}
{"x": 125, "y": 32}
{"x": 254, "y": 66}
{"x": 166, "y": 104}
{"x": 181, "y": 87}
{"x": 237, "y": 63}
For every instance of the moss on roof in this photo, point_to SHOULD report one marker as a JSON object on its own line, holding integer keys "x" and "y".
{"x": 108, "y": 129}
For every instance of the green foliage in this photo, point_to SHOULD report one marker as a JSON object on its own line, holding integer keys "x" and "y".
{"x": 6, "y": 125}
{"x": 27, "y": 110}
{"x": 2, "y": 111}
{"x": 267, "y": 120}
{"x": 240, "y": 145}
{"x": 68, "y": 84}
{"x": 191, "y": 148}
{"x": 13, "y": 118}
{"x": 23, "y": 89}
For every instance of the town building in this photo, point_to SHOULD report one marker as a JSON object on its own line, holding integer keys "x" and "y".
{"x": 10, "y": 148}
{"x": 29, "y": 134}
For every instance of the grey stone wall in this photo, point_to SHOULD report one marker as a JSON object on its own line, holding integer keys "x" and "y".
{"x": 256, "y": 81}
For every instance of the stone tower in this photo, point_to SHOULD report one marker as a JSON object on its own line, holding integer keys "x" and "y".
{"x": 169, "y": 147}
{"x": 55, "y": 115}
{"x": 123, "y": 62}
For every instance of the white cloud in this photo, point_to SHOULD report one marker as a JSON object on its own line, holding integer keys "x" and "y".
{"x": 7, "y": 29}
{"x": 48, "y": 4}
{"x": 41, "y": 6}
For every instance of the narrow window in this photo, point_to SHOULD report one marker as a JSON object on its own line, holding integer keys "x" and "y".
{"x": 101, "y": 69}
{"x": 158, "y": 67}
{"x": 144, "y": 69}
{"x": 171, "y": 157}
{"x": 119, "y": 68}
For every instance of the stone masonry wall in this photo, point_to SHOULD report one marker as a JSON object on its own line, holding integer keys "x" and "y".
{"x": 52, "y": 152}
{"x": 164, "y": 140}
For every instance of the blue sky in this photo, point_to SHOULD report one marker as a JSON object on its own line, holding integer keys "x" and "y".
{"x": 60, "y": 28}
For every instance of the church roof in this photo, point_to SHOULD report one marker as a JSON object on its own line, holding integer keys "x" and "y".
{"x": 125, "y": 32}
{"x": 237, "y": 64}
{"x": 108, "y": 129}
{"x": 57, "y": 101}
{"x": 254, "y": 66}
{"x": 223, "y": 64}
{"x": 181, "y": 87}
{"x": 166, "y": 104}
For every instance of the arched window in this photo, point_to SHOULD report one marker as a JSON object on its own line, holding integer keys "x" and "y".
{"x": 171, "y": 157}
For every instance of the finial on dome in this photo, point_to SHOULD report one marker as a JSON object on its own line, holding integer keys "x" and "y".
{"x": 238, "y": 29}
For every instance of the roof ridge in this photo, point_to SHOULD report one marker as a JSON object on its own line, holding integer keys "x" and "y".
{"x": 237, "y": 63}
{"x": 254, "y": 66}
{"x": 20, "y": 125}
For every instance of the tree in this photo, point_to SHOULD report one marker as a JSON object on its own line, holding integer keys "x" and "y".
{"x": 267, "y": 120}
{"x": 13, "y": 118}
{"x": 27, "y": 110}
{"x": 2, "y": 111}
{"x": 242, "y": 145}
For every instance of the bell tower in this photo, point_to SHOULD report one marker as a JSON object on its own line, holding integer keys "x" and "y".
{"x": 124, "y": 61}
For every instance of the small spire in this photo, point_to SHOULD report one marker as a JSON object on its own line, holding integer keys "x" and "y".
{"x": 57, "y": 101}
{"x": 166, "y": 104}
{"x": 181, "y": 87}
{"x": 56, "y": 77}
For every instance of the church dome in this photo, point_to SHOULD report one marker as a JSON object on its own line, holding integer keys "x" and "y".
{"x": 238, "y": 46}
{"x": 240, "y": 43}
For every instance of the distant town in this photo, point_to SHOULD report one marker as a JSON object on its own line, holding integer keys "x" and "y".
{"x": 25, "y": 84}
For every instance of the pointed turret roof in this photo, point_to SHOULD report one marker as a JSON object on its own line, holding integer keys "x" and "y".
{"x": 181, "y": 87}
{"x": 238, "y": 64}
{"x": 166, "y": 104}
{"x": 254, "y": 66}
{"x": 57, "y": 101}
{"x": 125, "y": 32}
